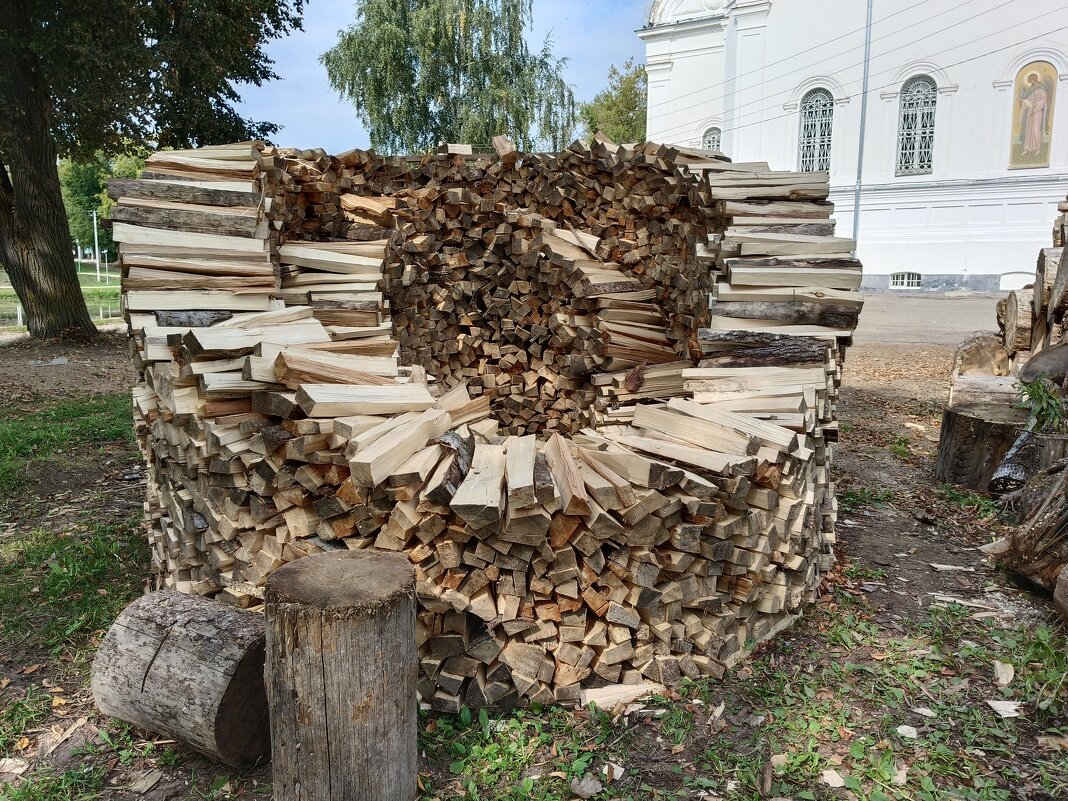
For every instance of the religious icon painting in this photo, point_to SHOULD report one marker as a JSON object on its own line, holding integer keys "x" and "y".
{"x": 1032, "y": 115}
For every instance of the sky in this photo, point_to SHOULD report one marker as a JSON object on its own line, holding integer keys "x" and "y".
{"x": 592, "y": 34}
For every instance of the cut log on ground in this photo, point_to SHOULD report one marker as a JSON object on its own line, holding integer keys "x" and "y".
{"x": 1031, "y": 452}
{"x": 189, "y": 668}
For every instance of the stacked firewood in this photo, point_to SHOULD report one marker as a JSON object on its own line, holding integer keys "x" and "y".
{"x": 593, "y": 487}
{"x": 1031, "y": 319}
{"x": 522, "y": 278}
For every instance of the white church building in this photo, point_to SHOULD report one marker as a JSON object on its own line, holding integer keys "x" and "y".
{"x": 965, "y": 142}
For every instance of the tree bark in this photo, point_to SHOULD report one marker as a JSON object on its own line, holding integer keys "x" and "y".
{"x": 341, "y": 677}
{"x": 190, "y": 668}
{"x": 34, "y": 235}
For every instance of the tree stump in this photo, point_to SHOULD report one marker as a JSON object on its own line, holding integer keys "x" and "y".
{"x": 974, "y": 440}
{"x": 341, "y": 676}
{"x": 189, "y": 668}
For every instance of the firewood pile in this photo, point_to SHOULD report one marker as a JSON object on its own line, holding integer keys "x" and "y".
{"x": 508, "y": 369}
{"x": 991, "y": 441}
{"x": 1032, "y": 319}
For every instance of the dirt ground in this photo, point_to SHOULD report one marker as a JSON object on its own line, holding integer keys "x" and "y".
{"x": 894, "y": 524}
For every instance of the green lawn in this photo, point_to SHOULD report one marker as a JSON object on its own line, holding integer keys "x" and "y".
{"x": 63, "y": 427}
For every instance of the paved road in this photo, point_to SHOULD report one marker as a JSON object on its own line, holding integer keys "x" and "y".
{"x": 927, "y": 319}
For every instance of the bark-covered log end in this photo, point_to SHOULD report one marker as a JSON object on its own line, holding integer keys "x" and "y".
{"x": 342, "y": 582}
{"x": 243, "y": 713}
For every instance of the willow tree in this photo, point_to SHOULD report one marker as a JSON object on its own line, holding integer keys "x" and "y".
{"x": 422, "y": 72}
{"x": 77, "y": 78}
{"x": 619, "y": 111}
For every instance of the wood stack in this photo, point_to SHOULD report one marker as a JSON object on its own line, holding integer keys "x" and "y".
{"x": 686, "y": 514}
{"x": 1032, "y": 318}
{"x": 985, "y": 398}
{"x": 524, "y": 277}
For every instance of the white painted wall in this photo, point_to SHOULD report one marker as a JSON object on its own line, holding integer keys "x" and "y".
{"x": 744, "y": 65}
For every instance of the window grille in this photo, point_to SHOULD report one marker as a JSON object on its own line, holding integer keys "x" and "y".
{"x": 916, "y": 126}
{"x": 814, "y": 142}
{"x": 711, "y": 140}
{"x": 905, "y": 281}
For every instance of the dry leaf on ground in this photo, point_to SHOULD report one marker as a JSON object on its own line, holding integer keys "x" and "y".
{"x": 833, "y": 778}
{"x": 1007, "y": 709}
{"x": 1003, "y": 673}
{"x": 586, "y": 787}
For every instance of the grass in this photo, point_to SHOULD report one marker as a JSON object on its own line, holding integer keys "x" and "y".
{"x": 81, "y": 784}
{"x": 96, "y": 292}
{"x": 854, "y": 499}
{"x": 900, "y": 447}
{"x": 59, "y": 428}
{"x": 97, "y": 321}
{"x": 982, "y": 506}
{"x": 58, "y": 588}
{"x": 20, "y": 714}
{"x": 832, "y": 696}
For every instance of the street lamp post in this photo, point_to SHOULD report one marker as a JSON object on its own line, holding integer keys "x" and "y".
{"x": 96, "y": 246}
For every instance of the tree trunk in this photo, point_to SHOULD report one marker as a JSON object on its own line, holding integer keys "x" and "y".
{"x": 1060, "y": 593}
{"x": 34, "y": 235}
{"x": 341, "y": 675}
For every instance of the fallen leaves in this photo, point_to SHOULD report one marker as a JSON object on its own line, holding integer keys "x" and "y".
{"x": 1006, "y": 709}
{"x": 908, "y": 732}
{"x": 586, "y": 787}
{"x": 144, "y": 780}
{"x": 612, "y": 772}
{"x": 1003, "y": 673}
{"x": 833, "y": 778}
{"x": 1053, "y": 743}
{"x": 14, "y": 766}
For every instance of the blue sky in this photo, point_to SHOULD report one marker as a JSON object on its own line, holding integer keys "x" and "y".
{"x": 593, "y": 35}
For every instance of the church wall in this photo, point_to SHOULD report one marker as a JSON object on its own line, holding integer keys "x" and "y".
{"x": 972, "y": 215}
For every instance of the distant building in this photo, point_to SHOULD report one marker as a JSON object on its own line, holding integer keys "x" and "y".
{"x": 966, "y": 145}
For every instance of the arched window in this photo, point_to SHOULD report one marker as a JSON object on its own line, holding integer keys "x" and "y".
{"x": 814, "y": 141}
{"x": 916, "y": 126}
{"x": 711, "y": 139}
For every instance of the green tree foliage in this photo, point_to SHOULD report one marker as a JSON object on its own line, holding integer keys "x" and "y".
{"x": 619, "y": 111}
{"x": 84, "y": 186}
{"x": 422, "y": 72}
{"x": 78, "y": 78}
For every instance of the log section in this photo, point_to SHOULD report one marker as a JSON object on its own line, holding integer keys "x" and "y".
{"x": 341, "y": 674}
{"x": 189, "y": 668}
{"x": 974, "y": 440}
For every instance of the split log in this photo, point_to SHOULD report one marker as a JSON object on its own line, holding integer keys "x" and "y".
{"x": 1030, "y": 453}
{"x": 341, "y": 674}
{"x": 982, "y": 353}
{"x": 1051, "y": 363}
{"x": 1019, "y": 311}
{"x": 189, "y": 668}
{"x": 967, "y": 390}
